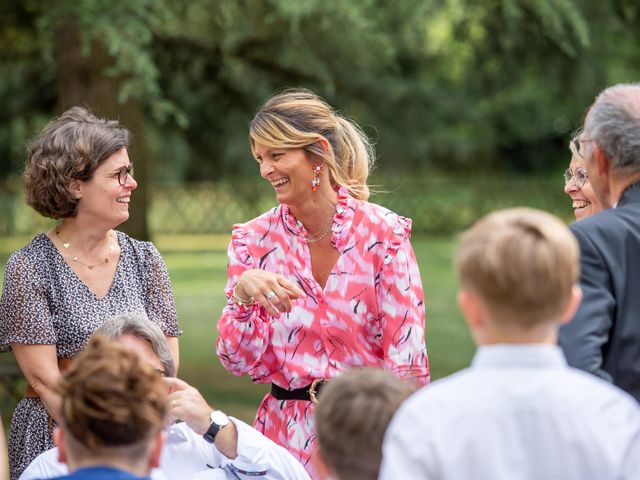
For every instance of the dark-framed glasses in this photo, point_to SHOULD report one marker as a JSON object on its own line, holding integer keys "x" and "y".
{"x": 579, "y": 177}
{"x": 124, "y": 173}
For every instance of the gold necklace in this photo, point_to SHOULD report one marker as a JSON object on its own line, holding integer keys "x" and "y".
{"x": 68, "y": 246}
{"x": 316, "y": 237}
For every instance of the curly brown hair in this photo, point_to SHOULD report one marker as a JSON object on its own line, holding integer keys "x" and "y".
{"x": 69, "y": 148}
{"x": 111, "y": 398}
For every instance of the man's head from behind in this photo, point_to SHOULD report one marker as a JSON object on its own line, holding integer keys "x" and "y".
{"x": 352, "y": 416}
{"x": 518, "y": 270}
{"x": 113, "y": 409}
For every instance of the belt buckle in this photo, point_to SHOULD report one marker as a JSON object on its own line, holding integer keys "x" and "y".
{"x": 313, "y": 387}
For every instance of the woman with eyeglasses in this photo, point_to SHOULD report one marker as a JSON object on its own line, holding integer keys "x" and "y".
{"x": 61, "y": 286}
{"x": 576, "y": 183}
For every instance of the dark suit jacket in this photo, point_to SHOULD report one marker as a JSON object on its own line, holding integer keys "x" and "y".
{"x": 604, "y": 336}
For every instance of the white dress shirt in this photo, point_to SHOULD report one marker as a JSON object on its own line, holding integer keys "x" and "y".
{"x": 186, "y": 455}
{"x": 519, "y": 412}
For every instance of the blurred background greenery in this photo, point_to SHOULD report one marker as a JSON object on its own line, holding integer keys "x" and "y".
{"x": 470, "y": 103}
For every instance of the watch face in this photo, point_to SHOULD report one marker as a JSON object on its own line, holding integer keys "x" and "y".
{"x": 219, "y": 418}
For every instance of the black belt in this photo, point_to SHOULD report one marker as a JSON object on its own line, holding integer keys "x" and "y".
{"x": 308, "y": 393}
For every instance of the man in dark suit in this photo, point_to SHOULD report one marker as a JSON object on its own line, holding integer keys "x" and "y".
{"x": 604, "y": 336}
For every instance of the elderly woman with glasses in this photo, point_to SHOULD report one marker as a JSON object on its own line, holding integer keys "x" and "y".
{"x": 61, "y": 286}
{"x": 576, "y": 182}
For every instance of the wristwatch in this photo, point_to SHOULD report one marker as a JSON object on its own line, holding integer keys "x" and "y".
{"x": 218, "y": 420}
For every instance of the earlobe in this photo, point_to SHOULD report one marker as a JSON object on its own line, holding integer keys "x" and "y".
{"x": 156, "y": 450}
{"x": 75, "y": 188}
{"x": 58, "y": 440}
{"x": 320, "y": 464}
{"x": 324, "y": 144}
{"x": 602, "y": 161}
{"x": 470, "y": 309}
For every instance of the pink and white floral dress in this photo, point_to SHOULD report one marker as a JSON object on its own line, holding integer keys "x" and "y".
{"x": 370, "y": 313}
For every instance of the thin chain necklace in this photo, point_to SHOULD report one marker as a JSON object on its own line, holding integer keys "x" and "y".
{"x": 316, "y": 237}
{"x": 68, "y": 246}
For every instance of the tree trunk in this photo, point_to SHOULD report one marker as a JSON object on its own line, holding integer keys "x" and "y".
{"x": 81, "y": 81}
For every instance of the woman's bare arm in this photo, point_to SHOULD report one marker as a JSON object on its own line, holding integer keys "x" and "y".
{"x": 39, "y": 364}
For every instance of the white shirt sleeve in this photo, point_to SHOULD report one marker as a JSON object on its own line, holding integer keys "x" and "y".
{"x": 45, "y": 465}
{"x": 259, "y": 457}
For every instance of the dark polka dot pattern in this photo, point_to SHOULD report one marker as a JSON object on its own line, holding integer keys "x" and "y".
{"x": 44, "y": 302}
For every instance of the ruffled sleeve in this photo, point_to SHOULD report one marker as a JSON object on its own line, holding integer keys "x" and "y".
{"x": 25, "y": 312}
{"x": 401, "y": 299}
{"x": 243, "y": 334}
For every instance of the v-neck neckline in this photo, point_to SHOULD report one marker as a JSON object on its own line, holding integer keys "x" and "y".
{"x": 78, "y": 279}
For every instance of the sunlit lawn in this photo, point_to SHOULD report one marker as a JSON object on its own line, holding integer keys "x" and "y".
{"x": 198, "y": 272}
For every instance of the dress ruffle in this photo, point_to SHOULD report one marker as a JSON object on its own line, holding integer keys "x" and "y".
{"x": 401, "y": 232}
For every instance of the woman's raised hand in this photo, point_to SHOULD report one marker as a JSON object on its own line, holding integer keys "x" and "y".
{"x": 274, "y": 292}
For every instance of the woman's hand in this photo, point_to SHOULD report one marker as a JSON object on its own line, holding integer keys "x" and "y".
{"x": 274, "y": 292}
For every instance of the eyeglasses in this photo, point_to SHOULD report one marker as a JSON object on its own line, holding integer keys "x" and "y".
{"x": 124, "y": 173}
{"x": 579, "y": 177}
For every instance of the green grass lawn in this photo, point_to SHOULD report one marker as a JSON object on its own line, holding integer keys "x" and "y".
{"x": 197, "y": 265}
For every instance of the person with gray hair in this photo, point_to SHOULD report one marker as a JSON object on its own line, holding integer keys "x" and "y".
{"x": 604, "y": 336}
{"x": 207, "y": 443}
{"x": 115, "y": 328}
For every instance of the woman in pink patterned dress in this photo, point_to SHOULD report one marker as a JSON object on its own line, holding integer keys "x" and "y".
{"x": 324, "y": 282}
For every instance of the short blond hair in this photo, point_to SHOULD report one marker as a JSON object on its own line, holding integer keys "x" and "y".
{"x": 298, "y": 118}
{"x": 352, "y": 416}
{"x": 522, "y": 262}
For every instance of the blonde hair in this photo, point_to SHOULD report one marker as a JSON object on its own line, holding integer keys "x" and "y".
{"x": 298, "y": 118}
{"x": 522, "y": 262}
{"x": 112, "y": 401}
{"x": 353, "y": 413}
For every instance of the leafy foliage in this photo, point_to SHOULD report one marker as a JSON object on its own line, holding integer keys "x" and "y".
{"x": 441, "y": 84}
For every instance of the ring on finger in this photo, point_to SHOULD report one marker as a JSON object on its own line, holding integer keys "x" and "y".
{"x": 271, "y": 294}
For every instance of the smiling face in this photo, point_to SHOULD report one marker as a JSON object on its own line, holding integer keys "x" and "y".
{"x": 585, "y": 201}
{"x": 289, "y": 171}
{"x": 102, "y": 196}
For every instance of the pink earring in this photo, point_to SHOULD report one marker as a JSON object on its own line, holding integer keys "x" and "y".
{"x": 317, "y": 168}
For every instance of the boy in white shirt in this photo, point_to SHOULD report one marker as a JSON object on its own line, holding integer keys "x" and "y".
{"x": 519, "y": 412}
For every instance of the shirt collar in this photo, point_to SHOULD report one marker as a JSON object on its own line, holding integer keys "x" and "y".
{"x": 519, "y": 356}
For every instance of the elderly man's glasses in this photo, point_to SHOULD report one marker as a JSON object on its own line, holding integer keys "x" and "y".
{"x": 124, "y": 173}
{"x": 579, "y": 177}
